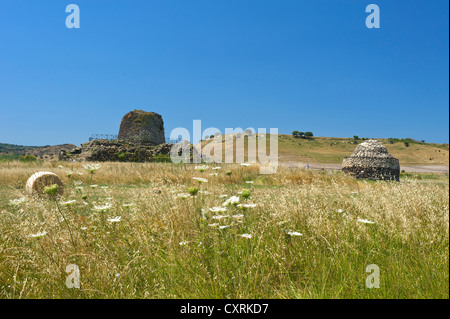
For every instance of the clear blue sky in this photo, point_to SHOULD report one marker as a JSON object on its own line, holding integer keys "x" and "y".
{"x": 307, "y": 65}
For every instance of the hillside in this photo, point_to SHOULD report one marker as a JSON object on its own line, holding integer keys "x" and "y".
{"x": 323, "y": 150}
{"x": 48, "y": 152}
{"x": 332, "y": 150}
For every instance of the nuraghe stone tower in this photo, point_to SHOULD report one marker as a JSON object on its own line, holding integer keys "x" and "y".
{"x": 142, "y": 127}
{"x": 371, "y": 160}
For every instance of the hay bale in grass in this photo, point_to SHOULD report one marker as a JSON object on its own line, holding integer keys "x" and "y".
{"x": 37, "y": 182}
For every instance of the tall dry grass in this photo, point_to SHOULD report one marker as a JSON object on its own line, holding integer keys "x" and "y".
{"x": 165, "y": 246}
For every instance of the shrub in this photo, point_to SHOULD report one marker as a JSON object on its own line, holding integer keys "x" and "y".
{"x": 245, "y": 193}
{"x": 193, "y": 191}
{"x": 27, "y": 158}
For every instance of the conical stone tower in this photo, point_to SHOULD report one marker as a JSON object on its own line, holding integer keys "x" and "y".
{"x": 371, "y": 160}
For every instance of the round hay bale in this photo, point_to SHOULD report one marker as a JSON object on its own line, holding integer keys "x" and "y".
{"x": 37, "y": 182}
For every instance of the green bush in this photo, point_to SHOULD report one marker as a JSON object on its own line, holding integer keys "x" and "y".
{"x": 27, "y": 158}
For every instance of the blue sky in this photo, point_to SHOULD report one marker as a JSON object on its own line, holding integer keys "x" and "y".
{"x": 307, "y": 65}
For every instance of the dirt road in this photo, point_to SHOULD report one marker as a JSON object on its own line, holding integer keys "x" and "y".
{"x": 416, "y": 168}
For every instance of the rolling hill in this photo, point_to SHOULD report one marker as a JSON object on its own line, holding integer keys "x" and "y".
{"x": 332, "y": 150}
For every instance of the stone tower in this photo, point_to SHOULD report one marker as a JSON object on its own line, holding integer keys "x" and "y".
{"x": 142, "y": 128}
{"x": 371, "y": 160}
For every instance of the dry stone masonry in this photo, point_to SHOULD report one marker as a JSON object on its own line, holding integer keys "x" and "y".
{"x": 142, "y": 127}
{"x": 371, "y": 160}
{"x": 140, "y": 139}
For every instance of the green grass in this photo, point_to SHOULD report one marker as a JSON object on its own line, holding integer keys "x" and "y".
{"x": 141, "y": 256}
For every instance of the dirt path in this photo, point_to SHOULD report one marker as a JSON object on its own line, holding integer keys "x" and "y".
{"x": 416, "y": 168}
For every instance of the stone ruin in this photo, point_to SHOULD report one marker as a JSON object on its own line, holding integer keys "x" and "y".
{"x": 142, "y": 128}
{"x": 371, "y": 160}
{"x": 141, "y": 139}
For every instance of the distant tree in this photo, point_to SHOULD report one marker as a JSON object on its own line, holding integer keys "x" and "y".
{"x": 309, "y": 134}
{"x": 298, "y": 134}
{"x": 406, "y": 144}
{"x": 355, "y": 137}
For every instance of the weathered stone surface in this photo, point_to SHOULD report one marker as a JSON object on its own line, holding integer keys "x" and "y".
{"x": 371, "y": 160}
{"x": 142, "y": 127}
{"x": 62, "y": 155}
{"x": 115, "y": 151}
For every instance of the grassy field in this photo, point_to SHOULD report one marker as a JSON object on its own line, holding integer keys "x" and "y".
{"x": 332, "y": 150}
{"x": 311, "y": 234}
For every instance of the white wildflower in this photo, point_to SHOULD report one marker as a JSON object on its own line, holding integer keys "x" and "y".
{"x": 294, "y": 233}
{"x": 39, "y": 234}
{"x": 238, "y": 216}
{"x": 219, "y": 216}
{"x": 102, "y": 208}
{"x": 246, "y": 164}
{"x": 18, "y": 201}
{"x": 223, "y": 227}
{"x": 127, "y": 205}
{"x": 233, "y": 200}
{"x": 216, "y": 168}
{"x": 183, "y": 243}
{"x": 248, "y": 236}
{"x": 91, "y": 168}
{"x": 183, "y": 195}
{"x": 365, "y": 221}
{"x": 250, "y": 182}
{"x": 69, "y": 202}
{"x": 200, "y": 179}
{"x": 218, "y": 209}
{"x": 201, "y": 168}
{"x": 115, "y": 219}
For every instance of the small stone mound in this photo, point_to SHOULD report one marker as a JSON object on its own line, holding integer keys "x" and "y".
{"x": 142, "y": 127}
{"x": 36, "y": 183}
{"x": 371, "y": 160}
